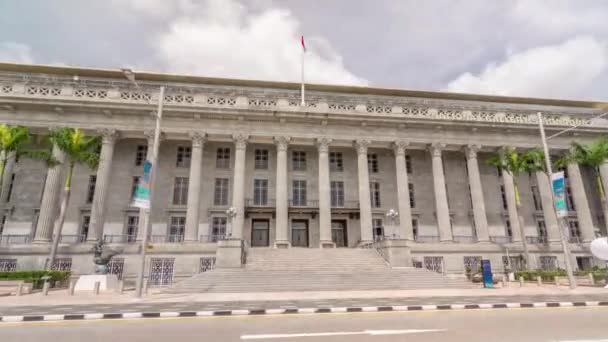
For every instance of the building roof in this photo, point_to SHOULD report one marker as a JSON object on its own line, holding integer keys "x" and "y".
{"x": 190, "y": 79}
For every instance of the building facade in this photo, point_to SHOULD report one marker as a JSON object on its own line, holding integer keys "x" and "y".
{"x": 320, "y": 175}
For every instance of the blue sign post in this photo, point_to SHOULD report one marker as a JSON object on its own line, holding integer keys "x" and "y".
{"x": 486, "y": 271}
{"x": 142, "y": 193}
{"x": 559, "y": 194}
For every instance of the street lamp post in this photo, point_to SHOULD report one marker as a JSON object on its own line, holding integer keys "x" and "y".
{"x": 560, "y": 223}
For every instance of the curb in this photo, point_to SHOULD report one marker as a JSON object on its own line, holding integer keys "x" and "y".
{"x": 287, "y": 311}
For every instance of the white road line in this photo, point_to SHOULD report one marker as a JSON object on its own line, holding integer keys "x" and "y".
{"x": 602, "y": 340}
{"x": 340, "y": 333}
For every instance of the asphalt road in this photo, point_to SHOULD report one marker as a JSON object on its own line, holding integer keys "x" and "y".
{"x": 521, "y": 325}
{"x": 252, "y": 305}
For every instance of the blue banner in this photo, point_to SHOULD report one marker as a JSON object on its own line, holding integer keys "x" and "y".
{"x": 559, "y": 194}
{"x": 486, "y": 271}
{"x": 142, "y": 193}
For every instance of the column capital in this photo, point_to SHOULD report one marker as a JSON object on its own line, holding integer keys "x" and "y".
{"x": 282, "y": 142}
{"x": 198, "y": 138}
{"x": 470, "y": 151}
{"x": 399, "y": 147}
{"x": 240, "y": 140}
{"x": 149, "y": 134}
{"x": 323, "y": 144}
{"x": 436, "y": 148}
{"x": 361, "y": 145}
{"x": 108, "y": 135}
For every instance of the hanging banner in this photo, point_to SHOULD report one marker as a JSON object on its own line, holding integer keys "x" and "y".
{"x": 559, "y": 193}
{"x": 142, "y": 193}
{"x": 486, "y": 272}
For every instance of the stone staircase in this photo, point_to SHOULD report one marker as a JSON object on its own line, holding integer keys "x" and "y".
{"x": 310, "y": 269}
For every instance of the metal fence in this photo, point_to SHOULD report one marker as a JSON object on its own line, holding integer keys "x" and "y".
{"x": 15, "y": 239}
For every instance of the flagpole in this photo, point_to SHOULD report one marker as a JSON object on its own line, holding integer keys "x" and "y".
{"x": 303, "y": 103}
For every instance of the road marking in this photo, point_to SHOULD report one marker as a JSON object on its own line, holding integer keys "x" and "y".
{"x": 603, "y": 340}
{"x": 340, "y": 333}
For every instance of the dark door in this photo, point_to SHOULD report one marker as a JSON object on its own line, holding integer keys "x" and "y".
{"x": 338, "y": 233}
{"x": 259, "y": 233}
{"x": 299, "y": 233}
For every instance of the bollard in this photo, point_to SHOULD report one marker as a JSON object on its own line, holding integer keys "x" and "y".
{"x": 557, "y": 281}
{"x": 521, "y": 281}
{"x": 72, "y": 287}
{"x": 121, "y": 286}
{"x": 145, "y": 286}
{"x": 539, "y": 281}
{"x": 96, "y": 288}
{"x": 45, "y": 288}
{"x": 19, "y": 290}
{"x": 591, "y": 279}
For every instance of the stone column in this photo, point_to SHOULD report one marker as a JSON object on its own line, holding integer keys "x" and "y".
{"x": 441, "y": 200}
{"x": 406, "y": 231}
{"x": 604, "y": 179}
{"x": 507, "y": 179}
{"x": 50, "y": 199}
{"x": 479, "y": 207}
{"x": 282, "y": 222}
{"x": 8, "y": 174}
{"x": 365, "y": 205}
{"x": 324, "y": 194}
{"x": 544, "y": 189}
{"x": 194, "y": 187}
{"x": 238, "y": 187}
{"x": 580, "y": 202}
{"x": 98, "y": 209}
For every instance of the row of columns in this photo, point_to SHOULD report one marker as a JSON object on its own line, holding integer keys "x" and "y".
{"x": 53, "y": 184}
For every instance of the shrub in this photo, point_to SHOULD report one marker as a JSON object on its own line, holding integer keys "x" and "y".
{"x": 35, "y": 276}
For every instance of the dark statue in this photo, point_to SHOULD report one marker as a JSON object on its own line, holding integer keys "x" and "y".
{"x": 102, "y": 257}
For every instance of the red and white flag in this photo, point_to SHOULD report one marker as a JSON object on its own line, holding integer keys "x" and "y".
{"x": 303, "y": 45}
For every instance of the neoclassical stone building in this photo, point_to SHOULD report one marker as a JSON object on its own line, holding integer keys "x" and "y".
{"x": 320, "y": 175}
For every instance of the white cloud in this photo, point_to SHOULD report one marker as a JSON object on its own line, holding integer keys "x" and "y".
{"x": 568, "y": 70}
{"x": 224, "y": 38}
{"x": 15, "y": 52}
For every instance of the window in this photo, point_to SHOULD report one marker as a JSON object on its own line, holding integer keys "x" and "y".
{"x": 260, "y": 192}
{"x": 412, "y": 195}
{"x": 2, "y": 223}
{"x": 91, "y": 189}
{"x": 372, "y": 163}
{"x": 84, "y": 227}
{"x": 514, "y": 263}
{"x": 132, "y": 225}
{"x": 299, "y": 193}
{"x": 538, "y": 205}
{"x": 11, "y": 184}
{"x": 408, "y": 164}
{"x": 261, "y": 159}
{"x": 542, "y": 231}
{"x": 8, "y": 265}
{"x": 161, "y": 271}
{"x": 569, "y": 198}
{"x": 574, "y": 231}
{"x": 548, "y": 262}
{"x": 509, "y": 231}
{"x": 184, "y": 155}
{"x": 218, "y": 228}
{"x": 62, "y": 264}
{"x": 140, "y": 154}
{"x": 434, "y": 263}
{"x": 134, "y": 187}
{"x": 335, "y": 162}
{"x": 378, "y": 229}
{"x": 116, "y": 266}
{"x": 298, "y": 160}
{"x": 177, "y": 228}
{"x": 415, "y": 228}
{"x": 222, "y": 159}
{"x": 374, "y": 191}
{"x": 472, "y": 264}
{"x": 220, "y": 195}
{"x": 583, "y": 263}
{"x": 207, "y": 264}
{"x": 503, "y": 196}
{"x": 337, "y": 193}
{"x": 180, "y": 191}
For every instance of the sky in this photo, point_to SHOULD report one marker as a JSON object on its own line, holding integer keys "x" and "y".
{"x": 533, "y": 48}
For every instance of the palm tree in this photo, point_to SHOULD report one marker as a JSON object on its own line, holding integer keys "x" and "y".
{"x": 514, "y": 163}
{"x": 79, "y": 149}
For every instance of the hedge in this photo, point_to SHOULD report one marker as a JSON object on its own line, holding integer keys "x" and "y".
{"x": 34, "y": 277}
{"x": 549, "y": 275}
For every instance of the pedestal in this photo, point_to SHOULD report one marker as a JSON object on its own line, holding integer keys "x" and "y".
{"x": 107, "y": 282}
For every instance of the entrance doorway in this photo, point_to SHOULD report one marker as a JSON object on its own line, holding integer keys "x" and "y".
{"x": 338, "y": 233}
{"x": 299, "y": 233}
{"x": 260, "y": 231}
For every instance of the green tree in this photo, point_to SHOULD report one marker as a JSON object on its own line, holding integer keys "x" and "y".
{"x": 514, "y": 163}
{"x": 79, "y": 149}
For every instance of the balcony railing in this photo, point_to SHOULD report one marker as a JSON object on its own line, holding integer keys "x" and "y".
{"x": 213, "y": 237}
{"x": 536, "y": 239}
{"x": 501, "y": 239}
{"x": 72, "y": 239}
{"x": 304, "y": 204}
{"x": 174, "y": 238}
{"x": 464, "y": 238}
{"x": 119, "y": 238}
{"x": 575, "y": 239}
{"x": 15, "y": 239}
{"x": 346, "y": 204}
{"x": 426, "y": 238}
{"x": 252, "y": 203}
